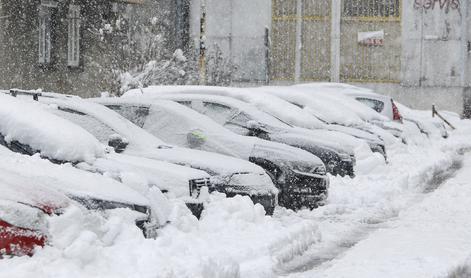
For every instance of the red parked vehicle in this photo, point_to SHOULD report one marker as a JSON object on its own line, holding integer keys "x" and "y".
{"x": 23, "y": 211}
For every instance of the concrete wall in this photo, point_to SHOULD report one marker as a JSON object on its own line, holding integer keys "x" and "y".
{"x": 238, "y": 29}
{"x": 99, "y": 53}
{"x": 435, "y": 64}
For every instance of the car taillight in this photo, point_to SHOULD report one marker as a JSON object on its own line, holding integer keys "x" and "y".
{"x": 396, "y": 115}
{"x": 16, "y": 241}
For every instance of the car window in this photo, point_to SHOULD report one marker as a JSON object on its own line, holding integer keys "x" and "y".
{"x": 374, "y": 104}
{"x": 136, "y": 114}
{"x": 185, "y": 102}
{"x": 98, "y": 129}
{"x": 217, "y": 112}
{"x": 16, "y": 146}
{"x": 238, "y": 124}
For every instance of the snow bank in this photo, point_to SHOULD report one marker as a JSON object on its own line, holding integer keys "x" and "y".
{"x": 52, "y": 136}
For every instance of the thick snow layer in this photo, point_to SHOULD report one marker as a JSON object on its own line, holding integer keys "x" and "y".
{"x": 103, "y": 123}
{"x": 173, "y": 122}
{"x": 30, "y": 125}
{"x": 427, "y": 240}
{"x": 67, "y": 179}
{"x": 143, "y": 172}
{"x": 402, "y": 202}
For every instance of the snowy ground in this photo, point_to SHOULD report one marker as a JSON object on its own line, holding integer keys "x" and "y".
{"x": 408, "y": 218}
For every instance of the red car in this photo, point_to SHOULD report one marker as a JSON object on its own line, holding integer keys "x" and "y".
{"x": 23, "y": 212}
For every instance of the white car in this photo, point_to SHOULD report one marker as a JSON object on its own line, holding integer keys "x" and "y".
{"x": 299, "y": 175}
{"x": 246, "y": 119}
{"x": 29, "y": 129}
{"x": 93, "y": 191}
{"x": 228, "y": 174}
{"x": 395, "y": 111}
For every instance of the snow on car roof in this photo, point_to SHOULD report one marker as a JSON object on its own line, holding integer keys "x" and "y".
{"x": 226, "y": 96}
{"x": 54, "y": 137}
{"x": 242, "y": 146}
{"x": 337, "y": 94}
{"x": 135, "y": 135}
{"x": 68, "y": 179}
{"x": 321, "y": 107}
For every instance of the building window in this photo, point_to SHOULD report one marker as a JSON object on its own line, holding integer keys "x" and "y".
{"x": 73, "y": 42}
{"x": 371, "y": 8}
{"x": 45, "y": 32}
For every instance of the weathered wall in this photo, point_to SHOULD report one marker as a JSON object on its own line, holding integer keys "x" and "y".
{"x": 99, "y": 55}
{"x": 434, "y": 64}
{"x": 238, "y": 28}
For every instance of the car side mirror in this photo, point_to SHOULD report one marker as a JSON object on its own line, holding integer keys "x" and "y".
{"x": 118, "y": 143}
{"x": 195, "y": 138}
{"x": 254, "y": 125}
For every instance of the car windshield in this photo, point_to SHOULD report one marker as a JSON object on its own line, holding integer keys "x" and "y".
{"x": 98, "y": 129}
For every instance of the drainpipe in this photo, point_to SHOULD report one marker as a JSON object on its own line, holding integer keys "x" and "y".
{"x": 464, "y": 43}
{"x": 299, "y": 40}
{"x": 464, "y": 60}
{"x": 202, "y": 54}
{"x": 335, "y": 41}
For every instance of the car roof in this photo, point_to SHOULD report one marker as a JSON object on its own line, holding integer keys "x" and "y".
{"x": 30, "y": 124}
{"x": 208, "y": 94}
{"x": 134, "y": 134}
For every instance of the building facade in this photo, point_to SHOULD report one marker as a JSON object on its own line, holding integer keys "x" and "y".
{"x": 416, "y": 51}
{"x": 78, "y": 46}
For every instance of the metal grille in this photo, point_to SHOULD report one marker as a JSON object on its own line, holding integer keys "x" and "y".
{"x": 283, "y": 54}
{"x": 370, "y": 63}
{"x": 315, "y": 36}
{"x": 315, "y": 55}
{"x": 358, "y": 62}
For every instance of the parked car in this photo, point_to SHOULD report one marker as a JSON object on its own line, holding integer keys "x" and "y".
{"x": 245, "y": 119}
{"x": 323, "y": 111}
{"x": 28, "y": 129}
{"x": 300, "y": 176}
{"x": 398, "y": 112}
{"x": 24, "y": 206}
{"x": 229, "y": 175}
{"x": 338, "y": 93}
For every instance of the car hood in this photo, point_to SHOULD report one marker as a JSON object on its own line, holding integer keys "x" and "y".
{"x": 16, "y": 188}
{"x": 334, "y": 141}
{"x": 69, "y": 180}
{"x": 139, "y": 171}
{"x": 212, "y": 163}
{"x": 285, "y": 154}
{"x": 358, "y": 133}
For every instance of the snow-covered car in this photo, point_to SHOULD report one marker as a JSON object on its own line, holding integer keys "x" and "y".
{"x": 24, "y": 206}
{"x": 337, "y": 95}
{"x": 397, "y": 112}
{"x": 321, "y": 114}
{"x": 245, "y": 119}
{"x": 29, "y": 129}
{"x": 228, "y": 174}
{"x": 300, "y": 176}
{"x": 93, "y": 191}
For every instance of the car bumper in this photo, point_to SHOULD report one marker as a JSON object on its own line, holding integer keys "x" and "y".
{"x": 304, "y": 191}
{"x": 268, "y": 201}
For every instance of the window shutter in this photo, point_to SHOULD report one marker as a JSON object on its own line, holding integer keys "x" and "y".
{"x": 73, "y": 43}
{"x": 44, "y": 35}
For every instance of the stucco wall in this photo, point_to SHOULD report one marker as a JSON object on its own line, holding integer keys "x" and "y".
{"x": 238, "y": 28}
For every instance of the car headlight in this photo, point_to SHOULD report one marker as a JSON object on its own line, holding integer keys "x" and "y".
{"x": 319, "y": 170}
{"x": 345, "y": 157}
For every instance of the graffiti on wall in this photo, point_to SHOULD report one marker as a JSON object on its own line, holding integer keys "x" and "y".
{"x": 443, "y": 5}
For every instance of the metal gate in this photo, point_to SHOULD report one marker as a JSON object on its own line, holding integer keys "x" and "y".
{"x": 378, "y": 57}
{"x": 312, "y": 19}
{"x": 301, "y": 40}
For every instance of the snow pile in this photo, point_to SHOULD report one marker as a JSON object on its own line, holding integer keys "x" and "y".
{"x": 30, "y": 125}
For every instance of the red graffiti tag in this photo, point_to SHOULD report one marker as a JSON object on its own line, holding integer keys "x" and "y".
{"x": 444, "y": 5}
